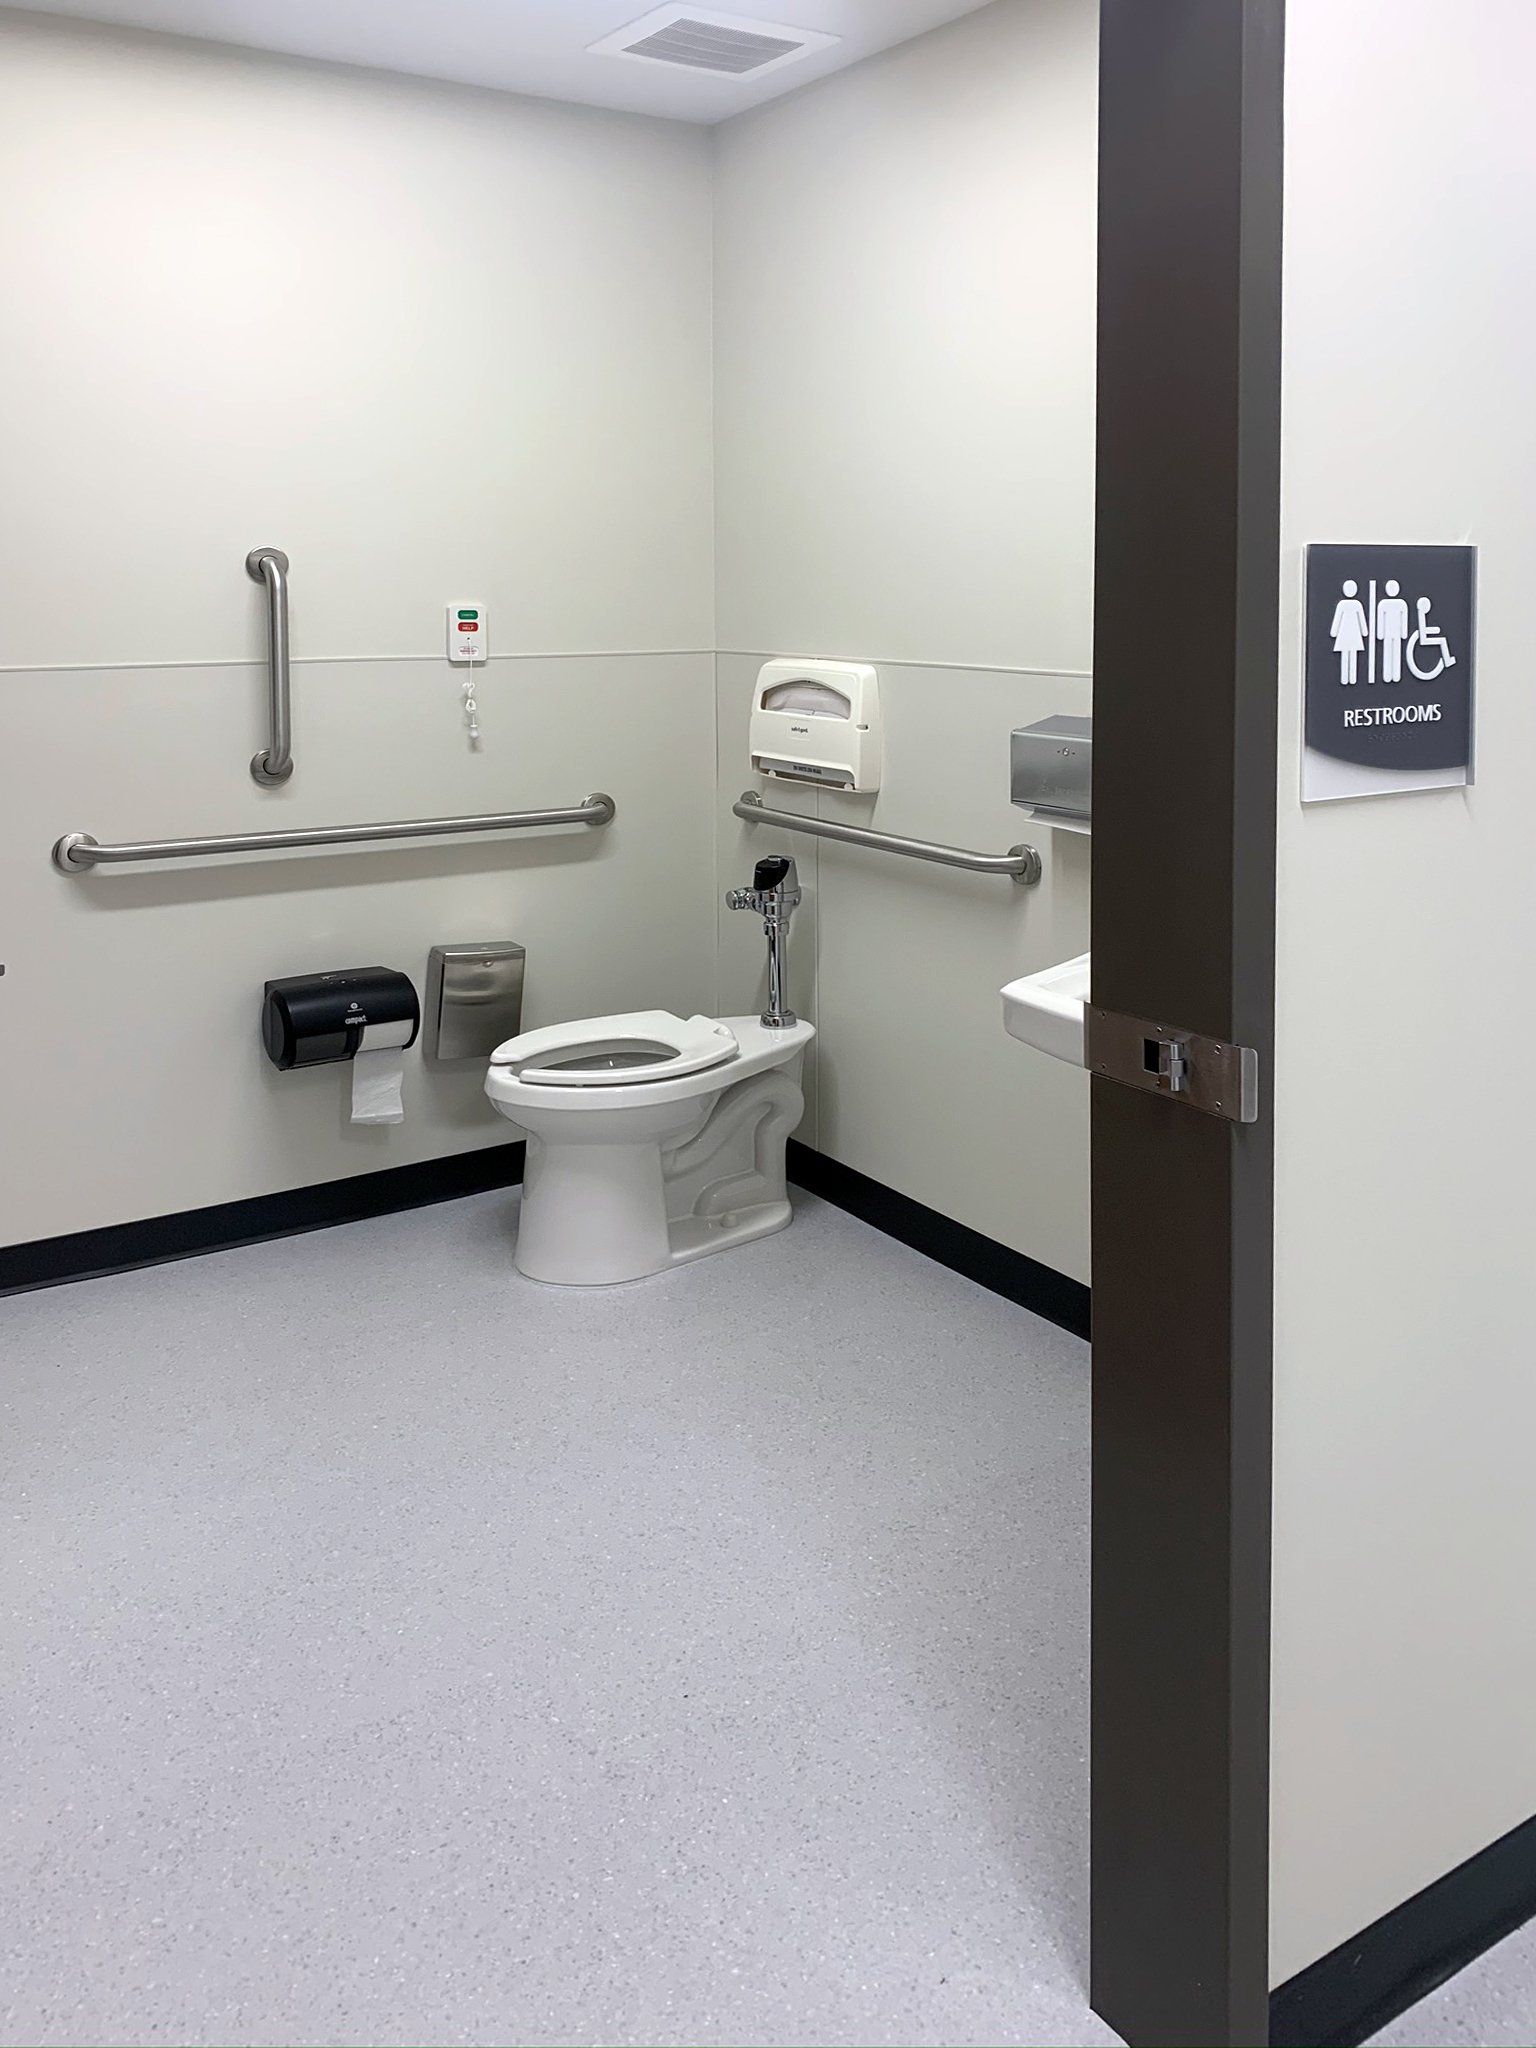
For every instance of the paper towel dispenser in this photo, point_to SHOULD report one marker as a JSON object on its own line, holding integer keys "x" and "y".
{"x": 1051, "y": 770}
{"x": 309, "y": 1020}
{"x": 817, "y": 721}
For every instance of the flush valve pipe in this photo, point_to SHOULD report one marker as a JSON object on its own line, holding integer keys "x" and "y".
{"x": 774, "y": 895}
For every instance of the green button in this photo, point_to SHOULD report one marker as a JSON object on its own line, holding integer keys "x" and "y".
{"x": 469, "y": 615}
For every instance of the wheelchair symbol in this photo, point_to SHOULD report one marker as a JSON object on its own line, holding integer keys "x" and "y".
{"x": 1428, "y": 639}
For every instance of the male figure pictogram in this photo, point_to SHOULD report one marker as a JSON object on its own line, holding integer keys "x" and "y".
{"x": 1392, "y": 631}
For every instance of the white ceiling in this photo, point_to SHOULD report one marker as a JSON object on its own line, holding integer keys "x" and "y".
{"x": 534, "y": 46}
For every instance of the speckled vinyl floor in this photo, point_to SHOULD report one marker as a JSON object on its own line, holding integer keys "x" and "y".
{"x": 407, "y": 1653}
{"x": 410, "y": 1653}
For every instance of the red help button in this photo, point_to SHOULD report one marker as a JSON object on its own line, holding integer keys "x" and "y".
{"x": 469, "y": 626}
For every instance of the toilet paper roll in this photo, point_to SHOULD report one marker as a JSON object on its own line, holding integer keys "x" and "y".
{"x": 376, "y": 1079}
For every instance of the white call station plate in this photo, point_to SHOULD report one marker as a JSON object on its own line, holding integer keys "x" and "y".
{"x": 467, "y": 629}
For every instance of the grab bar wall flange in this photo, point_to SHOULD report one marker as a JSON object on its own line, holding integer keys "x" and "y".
{"x": 274, "y": 764}
{"x": 77, "y": 852}
{"x": 1022, "y": 863}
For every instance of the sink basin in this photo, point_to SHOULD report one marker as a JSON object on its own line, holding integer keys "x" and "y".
{"x": 1045, "y": 1010}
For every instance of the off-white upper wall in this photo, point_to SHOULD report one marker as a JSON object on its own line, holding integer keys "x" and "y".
{"x": 905, "y": 352}
{"x": 437, "y": 345}
{"x": 904, "y": 317}
{"x": 441, "y": 345}
{"x": 1405, "y": 1536}
{"x": 433, "y": 342}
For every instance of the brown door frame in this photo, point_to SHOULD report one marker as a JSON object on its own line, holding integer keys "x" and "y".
{"x": 1185, "y": 683}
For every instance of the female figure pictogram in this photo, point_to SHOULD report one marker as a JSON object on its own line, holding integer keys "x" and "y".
{"x": 1348, "y": 632}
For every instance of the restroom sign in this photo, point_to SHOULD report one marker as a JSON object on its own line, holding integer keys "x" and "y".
{"x": 1390, "y": 668}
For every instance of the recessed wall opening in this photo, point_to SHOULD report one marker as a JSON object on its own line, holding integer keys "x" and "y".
{"x": 702, "y": 446}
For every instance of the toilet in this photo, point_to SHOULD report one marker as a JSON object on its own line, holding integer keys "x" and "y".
{"x": 652, "y": 1139}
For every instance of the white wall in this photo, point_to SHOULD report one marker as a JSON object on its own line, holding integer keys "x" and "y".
{"x": 1405, "y": 1542}
{"x": 904, "y": 357}
{"x": 431, "y": 341}
{"x": 905, "y": 348}
{"x": 436, "y": 344}
{"x": 440, "y": 344}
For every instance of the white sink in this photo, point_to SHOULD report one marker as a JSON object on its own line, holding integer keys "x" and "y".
{"x": 1045, "y": 1010}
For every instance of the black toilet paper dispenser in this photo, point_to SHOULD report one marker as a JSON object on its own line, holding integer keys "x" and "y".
{"x": 309, "y": 1020}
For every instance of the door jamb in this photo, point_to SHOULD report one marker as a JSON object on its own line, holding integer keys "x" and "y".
{"x": 1185, "y": 685}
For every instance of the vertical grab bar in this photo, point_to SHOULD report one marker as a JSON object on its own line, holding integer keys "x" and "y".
{"x": 274, "y": 764}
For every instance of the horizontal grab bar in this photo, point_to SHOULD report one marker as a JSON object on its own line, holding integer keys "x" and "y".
{"x": 77, "y": 851}
{"x": 1021, "y": 862}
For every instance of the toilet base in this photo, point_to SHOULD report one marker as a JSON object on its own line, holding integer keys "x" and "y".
{"x": 623, "y": 1182}
{"x": 599, "y": 1214}
{"x": 613, "y": 1265}
{"x": 697, "y": 1236}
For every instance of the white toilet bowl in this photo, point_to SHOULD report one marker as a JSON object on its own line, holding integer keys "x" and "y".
{"x": 652, "y": 1139}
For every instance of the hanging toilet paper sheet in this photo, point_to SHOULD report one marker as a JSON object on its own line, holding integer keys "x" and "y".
{"x": 376, "y": 1083}
{"x": 378, "y": 1071}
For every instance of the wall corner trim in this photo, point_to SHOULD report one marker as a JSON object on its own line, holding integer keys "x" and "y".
{"x": 997, "y": 1267}
{"x": 1356, "y": 1989}
{"x": 157, "y": 1240}
{"x": 118, "y": 1247}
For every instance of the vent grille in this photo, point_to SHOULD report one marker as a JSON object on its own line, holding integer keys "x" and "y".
{"x": 724, "y": 45}
{"x": 705, "y": 47}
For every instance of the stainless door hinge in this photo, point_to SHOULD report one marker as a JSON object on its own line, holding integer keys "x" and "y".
{"x": 1206, "y": 1073}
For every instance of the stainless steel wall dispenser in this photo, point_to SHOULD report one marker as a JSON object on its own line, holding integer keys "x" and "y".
{"x": 1051, "y": 770}
{"x": 474, "y": 998}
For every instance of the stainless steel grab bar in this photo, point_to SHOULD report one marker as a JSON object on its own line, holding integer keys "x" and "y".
{"x": 274, "y": 764}
{"x": 77, "y": 851}
{"x": 1021, "y": 862}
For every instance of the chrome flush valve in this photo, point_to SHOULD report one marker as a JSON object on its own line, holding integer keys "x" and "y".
{"x": 774, "y": 893}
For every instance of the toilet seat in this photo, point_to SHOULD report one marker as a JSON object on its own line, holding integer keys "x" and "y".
{"x": 625, "y": 1051}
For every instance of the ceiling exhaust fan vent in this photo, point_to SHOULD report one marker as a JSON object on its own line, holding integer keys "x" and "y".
{"x": 723, "y": 44}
